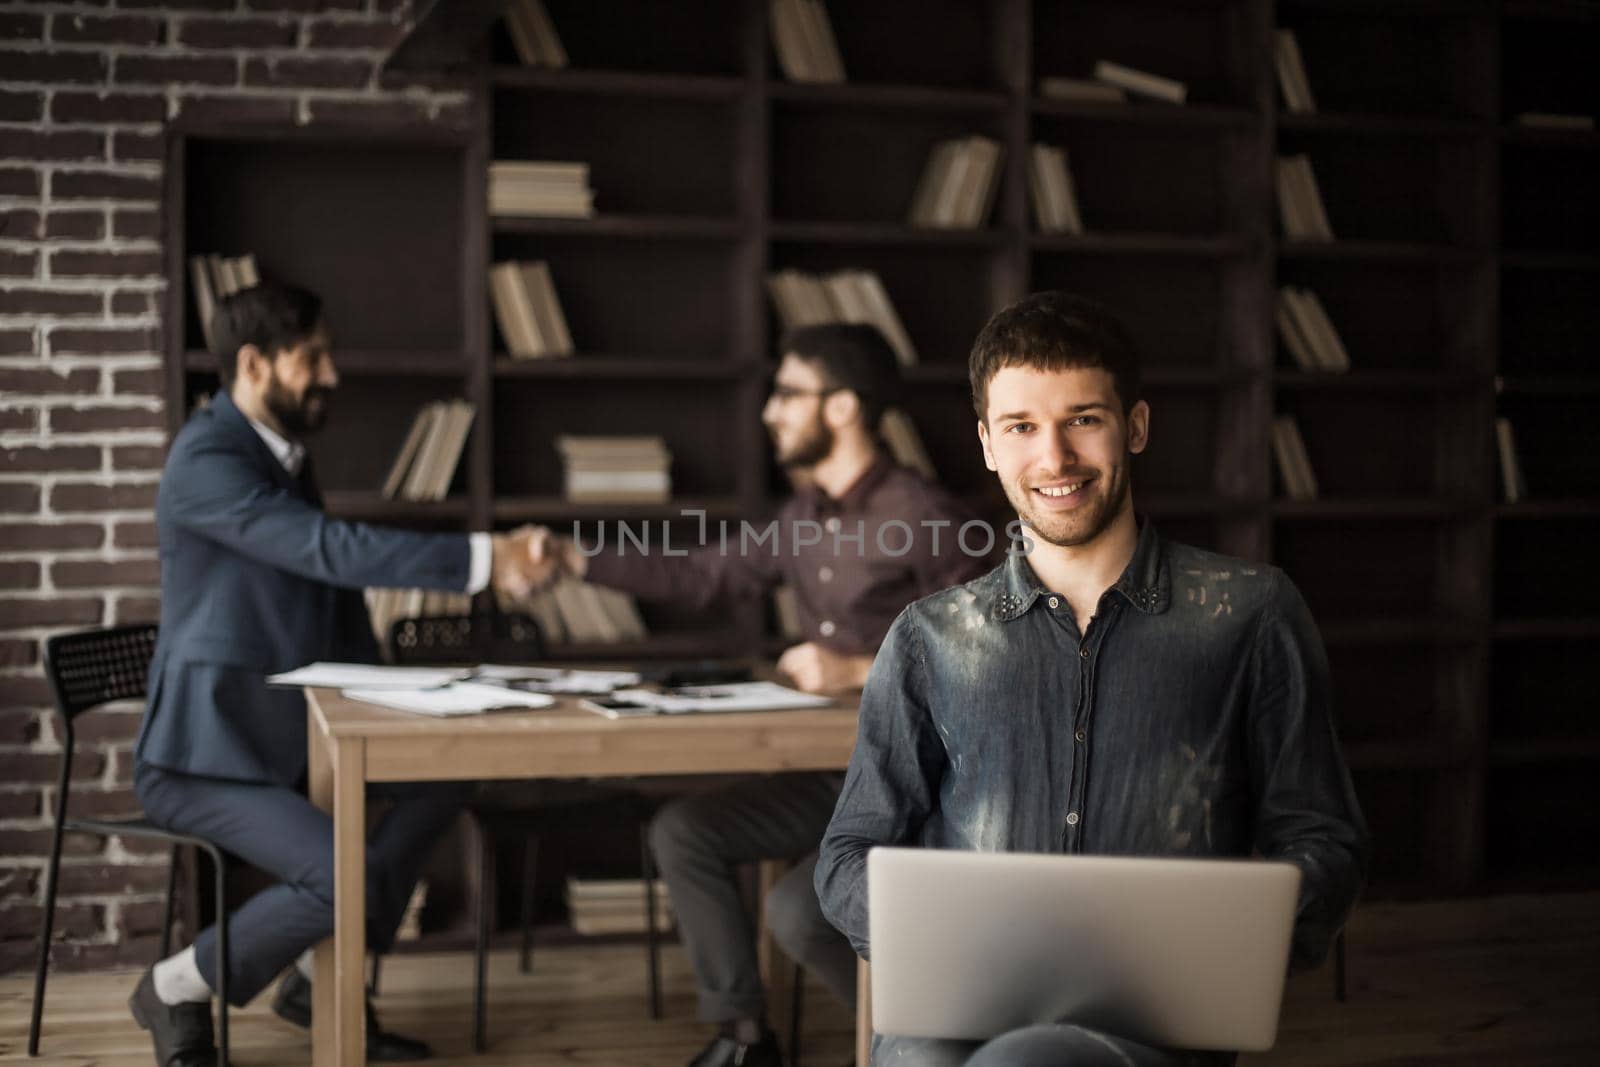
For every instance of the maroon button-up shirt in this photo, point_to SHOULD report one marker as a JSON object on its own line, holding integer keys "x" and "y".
{"x": 854, "y": 562}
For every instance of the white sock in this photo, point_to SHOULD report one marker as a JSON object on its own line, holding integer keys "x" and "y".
{"x": 306, "y": 964}
{"x": 178, "y": 981}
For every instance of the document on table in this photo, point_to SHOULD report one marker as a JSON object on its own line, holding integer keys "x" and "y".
{"x": 455, "y": 698}
{"x": 557, "y": 680}
{"x": 367, "y": 676}
{"x": 735, "y": 696}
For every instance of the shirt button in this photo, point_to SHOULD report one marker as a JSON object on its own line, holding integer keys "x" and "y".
{"x": 1081, "y": 735}
{"x": 1083, "y": 651}
{"x": 825, "y": 574}
{"x": 827, "y": 628}
{"x": 832, "y": 525}
{"x": 1054, "y": 602}
{"x": 1072, "y": 818}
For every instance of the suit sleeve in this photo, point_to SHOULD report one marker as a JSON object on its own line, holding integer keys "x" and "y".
{"x": 1306, "y": 809}
{"x": 215, "y": 491}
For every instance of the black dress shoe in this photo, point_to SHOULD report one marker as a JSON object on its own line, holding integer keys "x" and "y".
{"x": 182, "y": 1032}
{"x": 292, "y": 1003}
{"x": 724, "y": 1051}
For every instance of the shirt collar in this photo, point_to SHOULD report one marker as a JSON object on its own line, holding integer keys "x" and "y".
{"x": 288, "y": 453}
{"x": 1146, "y": 583}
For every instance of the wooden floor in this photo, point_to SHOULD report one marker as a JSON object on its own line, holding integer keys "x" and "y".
{"x": 1499, "y": 981}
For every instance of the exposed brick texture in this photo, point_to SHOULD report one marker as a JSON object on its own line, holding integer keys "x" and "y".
{"x": 88, "y": 88}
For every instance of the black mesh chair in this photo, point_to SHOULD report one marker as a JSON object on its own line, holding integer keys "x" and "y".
{"x": 523, "y": 814}
{"x": 87, "y": 670}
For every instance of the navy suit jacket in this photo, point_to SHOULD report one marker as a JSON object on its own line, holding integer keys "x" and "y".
{"x": 256, "y": 579}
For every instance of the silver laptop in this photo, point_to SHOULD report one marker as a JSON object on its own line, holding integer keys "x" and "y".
{"x": 1176, "y": 952}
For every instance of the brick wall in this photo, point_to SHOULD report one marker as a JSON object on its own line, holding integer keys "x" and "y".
{"x": 84, "y": 90}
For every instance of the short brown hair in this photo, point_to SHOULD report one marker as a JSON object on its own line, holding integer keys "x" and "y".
{"x": 272, "y": 316}
{"x": 853, "y": 356}
{"x": 1054, "y": 331}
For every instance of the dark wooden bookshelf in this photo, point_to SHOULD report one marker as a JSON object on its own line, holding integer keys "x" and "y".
{"x": 1467, "y": 250}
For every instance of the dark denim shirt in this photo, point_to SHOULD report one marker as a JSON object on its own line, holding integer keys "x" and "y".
{"x": 1191, "y": 719}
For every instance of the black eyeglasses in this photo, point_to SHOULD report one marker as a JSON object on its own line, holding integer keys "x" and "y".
{"x": 789, "y": 392}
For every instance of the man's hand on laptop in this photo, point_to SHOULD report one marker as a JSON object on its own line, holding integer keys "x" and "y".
{"x": 816, "y": 669}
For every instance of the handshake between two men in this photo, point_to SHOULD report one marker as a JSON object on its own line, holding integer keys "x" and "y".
{"x": 530, "y": 558}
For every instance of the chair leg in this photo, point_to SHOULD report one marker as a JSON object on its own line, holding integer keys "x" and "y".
{"x": 47, "y": 926}
{"x": 530, "y": 873}
{"x": 652, "y": 936}
{"x": 220, "y": 871}
{"x": 171, "y": 903}
{"x": 797, "y": 1002}
{"x": 480, "y": 1021}
{"x": 1338, "y": 968}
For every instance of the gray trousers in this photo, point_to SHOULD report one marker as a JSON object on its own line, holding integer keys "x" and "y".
{"x": 699, "y": 842}
{"x": 281, "y": 832}
{"x": 1054, "y": 1045}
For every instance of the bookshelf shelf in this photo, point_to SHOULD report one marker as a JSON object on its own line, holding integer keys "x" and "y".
{"x": 621, "y": 83}
{"x": 1379, "y": 381}
{"x": 519, "y": 509}
{"x": 1181, "y": 116}
{"x": 1559, "y": 385}
{"x": 1215, "y": 246}
{"x": 1524, "y": 136}
{"x": 909, "y": 98}
{"x": 364, "y": 506}
{"x": 643, "y": 227}
{"x": 1379, "y": 252}
{"x": 364, "y": 362}
{"x": 1535, "y": 510}
{"x": 1528, "y": 259}
{"x": 886, "y": 234}
{"x": 642, "y": 368}
{"x": 1368, "y": 125}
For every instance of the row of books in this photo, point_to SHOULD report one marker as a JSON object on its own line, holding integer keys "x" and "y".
{"x": 616, "y": 470}
{"x": 855, "y": 296}
{"x": 1294, "y": 463}
{"x": 387, "y": 606}
{"x": 1291, "y": 67}
{"x": 1308, "y": 333}
{"x": 1052, "y": 190}
{"x": 1550, "y": 120}
{"x": 533, "y": 35}
{"x": 1114, "y": 83}
{"x": 572, "y": 612}
{"x": 1300, "y": 209}
{"x": 803, "y": 38}
{"x": 958, "y": 185}
{"x": 213, "y": 278}
{"x": 426, "y": 463}
{"x": 540, "y": 188}
{"x": 528, "y": 311}
{"x": 615, "y": 905}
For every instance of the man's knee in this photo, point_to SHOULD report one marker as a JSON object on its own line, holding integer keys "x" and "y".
{"x": 792, "y": 914}
{"x": 677, "y": 830}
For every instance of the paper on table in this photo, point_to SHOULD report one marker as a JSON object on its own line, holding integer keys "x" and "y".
{"x": 367, "y": 676}
{"x": 557, "y": 680}
{"x": 458, "y": 698}
{"x": 735, "y": 696}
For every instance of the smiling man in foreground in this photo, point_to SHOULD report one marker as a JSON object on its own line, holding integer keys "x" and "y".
{"x": 1107, "y": 691}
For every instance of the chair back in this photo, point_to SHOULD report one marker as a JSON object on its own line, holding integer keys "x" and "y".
{"x": 94, "y": 667}
{"x": 466, "y": 639}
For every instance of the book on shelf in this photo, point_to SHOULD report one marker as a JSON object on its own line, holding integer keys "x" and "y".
{"x": 786, "y": 613}
{"x": 1082, "y": 91}
{"x": 426, "y": 463}
{"x": 385, "y": 607}
{"x": 958, "y": 184}
{"x": 853, "y": 296}
{"x": 571, "y": 611}
{"x": 1294, "y": 463}
{"x": 1300, "y": 208}
{"x": 1308, "y": 333}
{"x": 1549, "y": 120}
{"x": 1292, "y": 80}
{"x": 213, "y": 278}
{"x": 527, "y": 310}
{"x": 803, "y": 38}
{"x": 616, "y": 905}
{"x": 1052, "y": 190}
{"x": 533, "y": 35}
{"x": 616, "y": 470}
{"x": 1141, "y": 83}
{"x": 534, "y": 188}
{"x": 1512, "y": 482}
{"x": 905, "y": 443}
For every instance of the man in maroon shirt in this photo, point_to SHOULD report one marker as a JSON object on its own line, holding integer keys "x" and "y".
{"x": 859, "y": 541}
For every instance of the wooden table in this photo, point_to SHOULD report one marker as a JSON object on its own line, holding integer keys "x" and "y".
{"x": 351, "y": 744}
